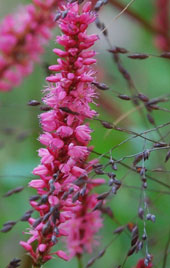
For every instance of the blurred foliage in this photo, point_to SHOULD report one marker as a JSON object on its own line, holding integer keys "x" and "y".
{"x": 19, "y": 130}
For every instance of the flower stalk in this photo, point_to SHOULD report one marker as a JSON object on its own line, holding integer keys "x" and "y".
{"x": 66, "y": 136}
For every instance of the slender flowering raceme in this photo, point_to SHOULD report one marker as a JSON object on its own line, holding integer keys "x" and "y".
{"x": 63, "y": 172}
{"x": 22, "y": 38}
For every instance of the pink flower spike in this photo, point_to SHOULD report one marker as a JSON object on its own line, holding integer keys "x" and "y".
{"x": 66, "y": 139}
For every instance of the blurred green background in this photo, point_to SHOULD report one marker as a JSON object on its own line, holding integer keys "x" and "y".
{"x": 19, "y": 130}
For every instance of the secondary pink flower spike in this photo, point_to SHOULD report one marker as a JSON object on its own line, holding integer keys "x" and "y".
{"x": 163, "y": 24}
{"x": 23, "y": 36}
{"x": 63, "y": 184}
{"x": 83, "y": 227}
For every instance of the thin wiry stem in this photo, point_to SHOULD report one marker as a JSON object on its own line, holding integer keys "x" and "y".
{"x": 133, "y": 169}
{"x": 148, "y": 190}
{"x": 118, "y": 15}
{"x": 132, "y": 14}
{"x": 133, "y": 155}
{"x": 166, "y": 252}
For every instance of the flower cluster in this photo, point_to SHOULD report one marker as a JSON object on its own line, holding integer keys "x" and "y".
{"x": 163, "y": 24}
{"x": 22, "y": 38}
{"x": 83, "y": 226}
{"x": 63, "y": 185}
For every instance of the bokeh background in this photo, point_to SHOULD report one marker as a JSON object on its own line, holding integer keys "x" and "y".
{"x": 19, "y": 130}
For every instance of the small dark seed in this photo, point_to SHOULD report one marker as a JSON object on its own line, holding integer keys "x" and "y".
{"x": 106, "y": 124}
{"x": 6, "y": 228}
{"x": 10, "y": 223}
{"x": 34, "y": 198}
{"x": 101, "y": 253}
{"x": 143, "y": 98}
{"x": 150, "y": 119}
{"x": 167, "y": 156}
{"x": 14, "y": 191}
{"x": 67, "y": 110}
{"x": 37, "y": 222}
{"x": 99, "y": 171}
{"x": 119, "y": 230}
{"x": 46, "y": 228}
{"x": 45, "y": 108}
{"x": 131, "y": 251}
{"x": 98, "y": 205}
{"x": 33, "y": 103}
{"x": 141, "y": 213}
{"x": 90, "y": 262}
{"x": 46, "y": 217}
{"x": 83, "y": 191}
{"x": 75, "y": 197}
{"x": 54, "y": 239}
{"x": 58, "y": 16}
{"x": 148, "y": 216}
{"x": 165, "y": 55}
{"x": 101, "y": 86}
{"x": 120, "y": 50}
{"x": 160, "y": 144}
{"x": 44, "y": 199}
{"x": 124, "y": 97}
{"x": 144, "y": 237}
{"x": 26, "y": 216}
{"x": 98, "y": 5}
{"x": 107, "y": 211}
{"x": 64, "y": 14}
{"x": 139, "y": 246}
{"x": 103, "y": 196}
{"x": 65, "y": 195}
{"x": 145, "y": 185}
{"x": 153, "y": 218}
{"x": 138, "y": 56}
{"x": 56, "y": 231}
{"x": 55, "y": 175}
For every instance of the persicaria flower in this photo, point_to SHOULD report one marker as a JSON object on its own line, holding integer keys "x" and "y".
{"x": 83, "y": 133}
{"x": 66, "y": 137}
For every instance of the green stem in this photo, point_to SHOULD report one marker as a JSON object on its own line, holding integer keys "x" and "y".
{"x": 80, "y": 262}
